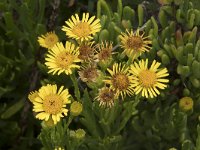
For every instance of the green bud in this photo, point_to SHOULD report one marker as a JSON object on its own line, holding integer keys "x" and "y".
{"x": 104, "y": 35}
{"x": 186, "y": 92}
{"x": 128, "y": 13}
{"x": 196, "y": 69}
{"x": 172, "y": 27}
{"x": 140, "y": 15}
{"x": 186, "y": 104}
{"x": 165, "y": 59}
{"x": 162, "y": 18}
{"x": 178, "y": 16}
{"x": 80, "y": 134}
{"x": 76, "y": 108}
{"x": 176, "y": 82}
{"x": 195, "y": 82}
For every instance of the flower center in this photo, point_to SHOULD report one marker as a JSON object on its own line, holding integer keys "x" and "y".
{"x": 82, "y": 29}
{"x": 104, "y": 54}
{"x": 85, "y": 52}
{"x": 120, "y": 81}
{"x": 52, "y": 104}
{"x": 51, "y": 40}
{"x": 134, "y": 42}
{"x": 64, "y": 60}
{"x": 147, "y": 78}
{"x": 106, "y": 95}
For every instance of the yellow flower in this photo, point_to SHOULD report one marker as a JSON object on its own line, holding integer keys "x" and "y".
{"x": 59, "y": 148}
{"x": 48, "y": 40}
{"x": 62, "y": 59}
{"x": 147, "y": 80}
{"x": 51, "y": 103}
{"x": 120, "y": 80}
{"x": 186, "y": 103}
{"x": 76, "y": 108}
{"x": 82, "y": 29}
{"x": 32, "y": 95}
{"x": 106, "y": 97}
{"x": 134, "y": 43}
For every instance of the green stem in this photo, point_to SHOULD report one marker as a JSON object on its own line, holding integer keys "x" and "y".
{"x": 76, "y": 89}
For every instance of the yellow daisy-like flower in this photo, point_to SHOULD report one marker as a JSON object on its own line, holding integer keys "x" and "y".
{"x": 120, "y": 81}
{"x": 48, "y": 40}
{"x": 62, "y": 59}
{"x": 146, "y": 81}
{"x": 134, "y": 43}
{"x": 106, "y": 97}
{"x": 51, "y": 103}
{"x": 32, "y": 95}
{"x": 82, "y": 29}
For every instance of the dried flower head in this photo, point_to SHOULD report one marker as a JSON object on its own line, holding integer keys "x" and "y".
{"x": 86, "y": 51}
{"x": 89, "y": 73}
{"x": 104, "y": 52}
{"x": 106, "y": 97}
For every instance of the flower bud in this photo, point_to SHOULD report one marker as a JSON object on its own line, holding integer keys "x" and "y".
{"x": 76, "y": 108}
{"x": 80, "y": 134}
{"x": 186, "y": 103}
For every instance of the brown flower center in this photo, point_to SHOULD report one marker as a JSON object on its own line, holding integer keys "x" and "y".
{"x": 105, "y": 53}
{"x": 134, "y": 42}
{"x": 52, "y": 104}
{"x": 147, "y": 78}
{"x": 106, "y": 95}
{"x": 85, "y": 52}
{"x": 120, "y": 81}
{"x": 90, "y": 74}
{"x": 82, "y": 29}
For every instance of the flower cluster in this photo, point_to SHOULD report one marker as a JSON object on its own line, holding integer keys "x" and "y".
{"x": 97, "y": 66}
